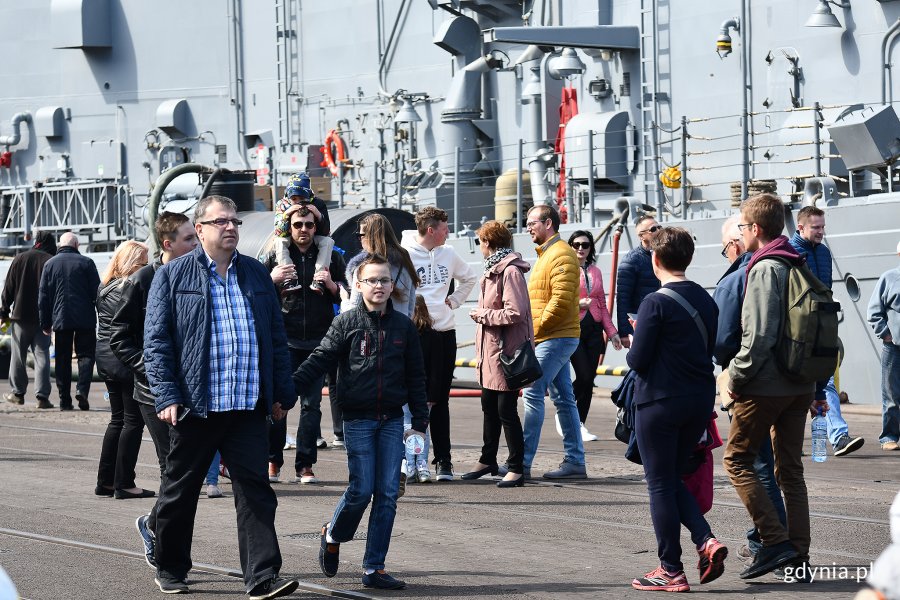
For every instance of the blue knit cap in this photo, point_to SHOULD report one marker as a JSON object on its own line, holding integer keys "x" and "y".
{"x": 299, "y": 186}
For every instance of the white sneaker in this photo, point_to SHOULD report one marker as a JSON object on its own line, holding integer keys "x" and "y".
{"x": 587, "y": 436}
{"x": 337, "y": 443}
{"x": 290, "y": 442}
{"x": 321, "y": 443}
{"x": 213, "y": 491}
{"x": 423, "y": 475}
{"x": 558, "y": 427}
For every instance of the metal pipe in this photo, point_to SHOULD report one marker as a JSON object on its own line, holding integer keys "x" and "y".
{"x": 611, "y": 298}
{"x": 16, "y": 136}
{"x": 684, "y": 155}
{"x": 519, "y": 191}
{"x": 156, "y": 195}
{"x": 238, "y": 55}
{"x": 375, "y": 186}
{"x": 570, "y": 193}
{"x": 341, "y": 184}
{"x": 885, "y": 63}
{"x": 817, "y": 138}
{"x": 456, "y": 192}
{"x": 747, "y": 70}
{"x": 591, "y": 177}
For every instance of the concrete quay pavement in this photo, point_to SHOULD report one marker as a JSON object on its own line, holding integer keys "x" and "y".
{"x": 451, "y": 540}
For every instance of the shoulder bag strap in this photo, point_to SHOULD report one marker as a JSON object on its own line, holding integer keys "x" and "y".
{"x": 691, "y": 311}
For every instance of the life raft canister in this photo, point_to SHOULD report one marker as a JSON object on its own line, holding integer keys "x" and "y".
{"x": 339, "y": 153}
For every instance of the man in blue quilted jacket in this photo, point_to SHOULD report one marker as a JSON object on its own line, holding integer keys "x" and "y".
{"x": 635, "y": 278}
{"x": 807, "y": 241}
{"x": 217, "y": 362}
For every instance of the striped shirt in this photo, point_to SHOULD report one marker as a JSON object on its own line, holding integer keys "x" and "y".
{"x": 233, "y": 352}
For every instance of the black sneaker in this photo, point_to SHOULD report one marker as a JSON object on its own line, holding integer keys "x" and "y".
{"x": 273, "y": 588}
{"x": 148, "y": 539}
{"x": 82, "y": 402}
{"x": 329, "y": 554}
{"x": 770, "y": 558}
{"x": 847, "y": 444}
{"x": 798, "y": 572}
{"x": 172, "y": 586}
{"x": 382, "y": 581}
{"x": 444, "y": 470}
{"x": 65, "y": 406}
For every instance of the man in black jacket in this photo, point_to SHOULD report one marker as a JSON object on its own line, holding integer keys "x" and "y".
{"x": 307, "y": 316}
{"x": 177, "y": 237}
{"x": 19, "y": 308}
{"x": 635, "y": 278}
{"x": 66, "y": 298}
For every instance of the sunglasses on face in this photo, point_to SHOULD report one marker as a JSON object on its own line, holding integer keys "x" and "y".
{"x": 653, "y": 229}
{"x": 303, "y": 225}
{"x": 581, "y": 245}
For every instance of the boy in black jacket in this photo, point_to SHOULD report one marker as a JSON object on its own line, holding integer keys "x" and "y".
{"x": 380, "y": 369}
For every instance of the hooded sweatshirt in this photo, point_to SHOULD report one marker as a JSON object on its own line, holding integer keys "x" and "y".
{"x": 436, "y": 268}
{"x": 754, "y": 369}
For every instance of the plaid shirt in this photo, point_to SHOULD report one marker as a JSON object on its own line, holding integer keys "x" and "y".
{"x": 233, "y": 352}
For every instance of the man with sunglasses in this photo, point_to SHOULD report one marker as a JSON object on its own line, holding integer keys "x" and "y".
{"x": 635, "y": 278}
{"x": 217, "y": 361}
{"x": 307, "y": 317}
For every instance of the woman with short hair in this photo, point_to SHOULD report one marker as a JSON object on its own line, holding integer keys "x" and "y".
{"x": 504, "y": 323}
{"x": 674, "y": 394}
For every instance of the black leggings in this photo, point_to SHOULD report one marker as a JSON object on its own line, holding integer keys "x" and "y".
{"x": 501, "y": 408}
{"x": 122, "y": 440}
{"x": 584, "y": 361}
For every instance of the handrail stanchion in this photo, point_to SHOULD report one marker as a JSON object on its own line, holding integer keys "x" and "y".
{"x": 590, "y": 149}
{"x": 519, "y": 200}
{"x": 456, "y": 193}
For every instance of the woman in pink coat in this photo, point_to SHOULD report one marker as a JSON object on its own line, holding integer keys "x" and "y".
{"x": 503, "y": 314}
{"x": 595, "y": 320}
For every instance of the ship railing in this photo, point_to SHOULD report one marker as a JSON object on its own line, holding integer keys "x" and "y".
{"x": 101, "y": 212}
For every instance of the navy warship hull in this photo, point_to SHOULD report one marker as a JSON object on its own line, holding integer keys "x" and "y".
{"x": 608, "y": 109}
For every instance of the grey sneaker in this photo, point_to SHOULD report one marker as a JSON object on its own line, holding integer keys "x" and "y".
{"x": 213, "y": 491}
{"x": 846, "y": 444}
{"x": 567, "y": 470}
{"x": 172, "y": 586}
{"x": 423, "y": 475}
{"x": 14, "y": 398}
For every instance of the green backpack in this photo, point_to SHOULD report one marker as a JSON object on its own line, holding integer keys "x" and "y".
{"x": 807, "y": 347}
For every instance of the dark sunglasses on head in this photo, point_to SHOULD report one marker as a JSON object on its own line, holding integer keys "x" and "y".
{"x": 303, "y": 225}
{"x": 581, "y": 245}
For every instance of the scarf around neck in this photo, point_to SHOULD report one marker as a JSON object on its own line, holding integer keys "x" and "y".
{"x": 496, "y": 257}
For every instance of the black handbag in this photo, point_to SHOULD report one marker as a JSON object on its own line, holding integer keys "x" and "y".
{"x": 522, "y": 368}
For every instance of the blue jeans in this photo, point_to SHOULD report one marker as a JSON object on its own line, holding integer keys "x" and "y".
{"x": 890, "y": 393}
{"x": 212, "y": 475}
{"x": 372, "y": 451}
{"x": 837, "y": 426}
{"x": 553, "y": 355}
{"x": 764, "y": 465}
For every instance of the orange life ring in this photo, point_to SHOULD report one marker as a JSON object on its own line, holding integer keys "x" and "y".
{"x": 340, "y": 149}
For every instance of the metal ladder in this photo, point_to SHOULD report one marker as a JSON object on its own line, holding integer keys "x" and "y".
{"x": 286, "y": 54}
{"x": 649, "y": 105}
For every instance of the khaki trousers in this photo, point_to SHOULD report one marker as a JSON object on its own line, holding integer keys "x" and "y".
{"x": 784, "y": 418}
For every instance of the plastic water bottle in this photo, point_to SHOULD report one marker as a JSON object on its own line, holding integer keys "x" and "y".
{"x": 819, "y": 437}
{"x": 415, "y": 444}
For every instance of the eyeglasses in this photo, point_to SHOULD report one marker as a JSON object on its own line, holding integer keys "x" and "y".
{"x": 530, "y": 224}
{"x": 727, "y": 246}
{"x": 742, "y": 225}
{"x": 221, "y": 223}
{"x": 382, "y": 282}
{"x": 303, "y": 225}
{"x": 653, "y": 229}
{"x": 581, "y": 245}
